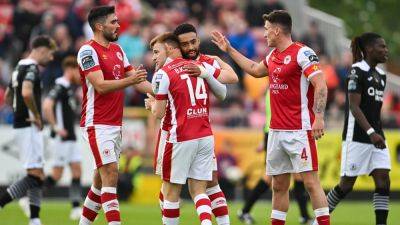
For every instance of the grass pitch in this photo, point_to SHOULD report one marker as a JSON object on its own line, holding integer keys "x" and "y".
{"x": 57, "y": 213}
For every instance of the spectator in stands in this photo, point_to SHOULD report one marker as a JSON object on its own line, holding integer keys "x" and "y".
{"x": 132, "y": 43}
{"x": 228, "y": 171}
{"x": 46, "y": 26}
{"x": 343, "y": 68}
{"x": 314, "y": 39}
{"x": 255, "y": 9}
{"x": 77, "y": 16}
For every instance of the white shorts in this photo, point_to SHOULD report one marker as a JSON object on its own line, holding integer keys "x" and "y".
{"x": 104, "y": 142}
{"x": 159, "y": 152}
{"x": 291, "y": 152}
{"x": 65, "y": 152}
{"x": 29, "y": 141}
{"x": 187, "y": 159}
{"x": 361, "y": 159}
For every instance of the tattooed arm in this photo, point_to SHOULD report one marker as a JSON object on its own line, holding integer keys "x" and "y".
{"x": 320, "y": 96}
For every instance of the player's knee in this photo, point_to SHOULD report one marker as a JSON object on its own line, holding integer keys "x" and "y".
{"x": 383, "y": 187}
{"x": 279, "y": 187}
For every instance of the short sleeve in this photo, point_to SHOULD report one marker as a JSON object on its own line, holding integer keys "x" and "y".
{"x": 212, "y": 70}
{"x": 88, "y": 60}
{"x": 31, "y": 73}
{"x": 308, "y": 61}
{"x": 354, "y": 85}
{"x": 160, "y": 84}
{"x": 265, "y": 60}
{"x": 127, "y": 65}
{"x": 55, "y": 92}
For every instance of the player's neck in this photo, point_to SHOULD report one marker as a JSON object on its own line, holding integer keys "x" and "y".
{"x": 101, "y": 40}
{"x": 34, "y": 56}
{"x": 370, "y": 62}
{"x": 284, "y": 43}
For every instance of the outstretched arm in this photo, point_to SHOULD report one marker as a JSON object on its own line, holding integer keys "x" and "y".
{"x": 320, "y": 96}
{"x": 249, "y": 66}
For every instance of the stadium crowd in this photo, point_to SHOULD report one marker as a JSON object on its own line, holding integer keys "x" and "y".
{"x": 65, "y": 21}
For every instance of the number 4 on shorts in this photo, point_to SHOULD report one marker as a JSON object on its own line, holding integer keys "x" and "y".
{"x": 304, "y": 154}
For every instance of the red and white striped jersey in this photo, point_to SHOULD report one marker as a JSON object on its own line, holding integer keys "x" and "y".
{"x": 292, "y": 97}
{"x": 105, "y": 109}
{"x": 188, "y": 104}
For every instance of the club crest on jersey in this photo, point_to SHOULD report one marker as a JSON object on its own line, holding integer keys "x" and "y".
{"x": 117, "y": 72}
{"x": 119, "y": 55}
{"x": 287, "y": 59}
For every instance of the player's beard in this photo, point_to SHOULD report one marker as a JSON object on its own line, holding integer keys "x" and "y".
{"x": 110, "y": 36}
{"x": 186, "y": 55}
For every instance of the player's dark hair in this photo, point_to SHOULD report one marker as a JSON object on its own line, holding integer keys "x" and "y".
{"x": 184, "y": 28}
{"x": 167, "y": 37}
{"x": 281, "y": 17}
{"x": 43, "y": 41}
{"x": 99, "y": 14}
{"x": 359, "y": 44}
{"x": 69, "y": 62}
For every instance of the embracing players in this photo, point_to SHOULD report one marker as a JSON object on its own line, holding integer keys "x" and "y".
{"x": 298, "y": 97}
{"x": 105, "y": 72}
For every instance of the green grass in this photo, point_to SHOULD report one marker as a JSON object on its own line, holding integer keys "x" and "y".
{"x": 56, "y": 213}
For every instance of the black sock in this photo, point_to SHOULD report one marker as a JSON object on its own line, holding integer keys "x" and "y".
{"x": 255, "y": 194}
{"x": 381, "y": 205}
{"x": 75, "y": 192}
{"x": 5, "y": 198}
{"x": 34, "y": 211}
{"x": 301, "y": 197}
{"x": 334, "y": 197}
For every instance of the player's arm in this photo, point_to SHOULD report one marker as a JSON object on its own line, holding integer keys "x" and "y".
{"x": 160, "y": 85}
{"x": 249, "y": 66}
{"x": 158, "y": 108}
{"x": 143, "y": 87}
{"x": 48, "y": 111}
{"x": 227, "y": 74}
{"x": 320, "y": 97}
{"x": 217, "y": 88}
{"x": 8, "y": 96}
{"x": 354, "y": 88}
{"x": 28, "y": 97}
{"x": 103, "y": 86}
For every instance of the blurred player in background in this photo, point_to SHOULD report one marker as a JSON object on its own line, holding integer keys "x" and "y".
{"x": 364, "y": 150}
{"x": 59, "y": 110}
{"x": 264, "y": 183}
{"x": 105, "y": 73}
{"x": 190, "y": 43}
{"x": 24, "y": 94}
{"x": 183, "y": 103}
{"x": 298, "y": 98}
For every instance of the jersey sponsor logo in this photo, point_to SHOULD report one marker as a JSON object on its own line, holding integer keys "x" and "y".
{"x": 287, "y": 59}
{"x": 199, "y": 112}
{"x": 87, "y": 62}
{"x": 119, "y": 55}
{"x": 117, "y": 72}
{"x": 275, "y": 85}
{"x": 85, "y": 53}
{"x": 378, "y": 94}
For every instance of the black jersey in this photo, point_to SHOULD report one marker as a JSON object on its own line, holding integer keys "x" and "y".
{"x": 370, "y": 83}
{"x": 65, "y": 106}
{"x": 26, "y": 70}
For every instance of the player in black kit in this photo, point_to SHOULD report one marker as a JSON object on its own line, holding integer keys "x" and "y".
{"x": 24, "y": 94}
{"x": 59, "y": 109}
{"x": 364, "y": 149}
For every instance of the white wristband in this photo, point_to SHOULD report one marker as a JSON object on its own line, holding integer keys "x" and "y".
{"x": 370, "y": 131}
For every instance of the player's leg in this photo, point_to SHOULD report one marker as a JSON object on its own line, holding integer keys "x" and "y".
{"x": 339, "y": 192}
{"x": 75, "y": 190}
{"x": 60, "y": 156}
{"x": 261, "y": 187}
{"x": 219, "y": 205}
{"x": 109, "y": 201}
{"x": 158, "y": 160}
{"x": 280, "y": 198}
{"x": 317, "y": 196}
{"x": 197, "y": 190}
{"x": 171, "y": 210}
{"x": 381, "y": 195}
{"x": 92, "y": 203}
{"x": 301, "y": 196}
